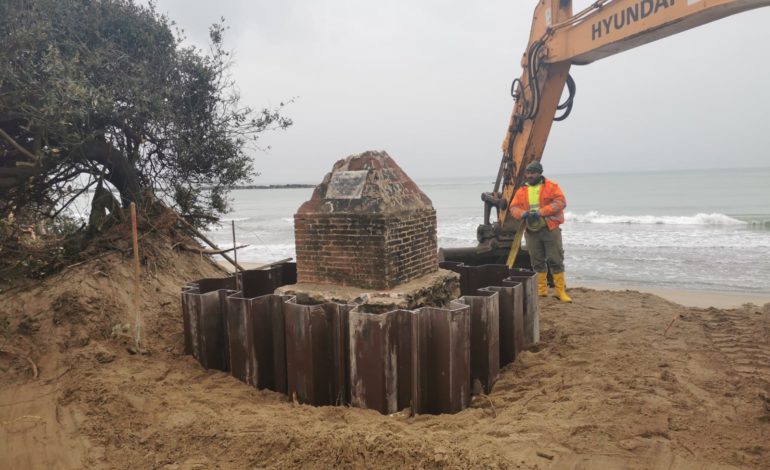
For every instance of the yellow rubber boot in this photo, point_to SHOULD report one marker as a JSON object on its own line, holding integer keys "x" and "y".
{"x": 561, "y": 287}
{"x": 542, "y": 284}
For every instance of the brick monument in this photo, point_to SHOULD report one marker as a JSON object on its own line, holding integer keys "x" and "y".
{"x": 367, "y": 225}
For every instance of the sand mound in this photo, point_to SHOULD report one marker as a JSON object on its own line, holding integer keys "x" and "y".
{"x": 621, "y": 379}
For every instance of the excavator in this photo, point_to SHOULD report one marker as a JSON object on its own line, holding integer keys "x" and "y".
{"x": 558, "y": 40}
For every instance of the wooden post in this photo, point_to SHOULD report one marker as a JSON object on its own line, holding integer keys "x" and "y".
{"x": 137, "y": 274}
{"x": 516, "y": 244}
{"x": 235, "y": 255}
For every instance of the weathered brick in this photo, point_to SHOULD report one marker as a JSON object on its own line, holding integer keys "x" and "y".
{"x": 382, "y": 236}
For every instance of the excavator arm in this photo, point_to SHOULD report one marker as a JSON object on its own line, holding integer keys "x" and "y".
{"x": 558, "y": 40}
{"x": 609, "y": 27}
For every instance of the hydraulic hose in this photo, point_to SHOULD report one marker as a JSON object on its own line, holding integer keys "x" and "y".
{"x": 567, "y": 105}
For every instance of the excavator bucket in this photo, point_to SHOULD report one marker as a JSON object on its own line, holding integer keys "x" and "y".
{"x": 471, "y": 256}
{"x": 495, "y": 241}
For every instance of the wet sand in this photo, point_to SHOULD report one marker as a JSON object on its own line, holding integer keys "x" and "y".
{"x": 689, "y": 298}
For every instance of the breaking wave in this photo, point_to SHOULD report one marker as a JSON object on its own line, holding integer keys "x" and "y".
{"x": 594, "y": 217}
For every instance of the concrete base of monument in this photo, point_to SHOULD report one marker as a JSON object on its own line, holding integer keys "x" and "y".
{"x": 434, "y": 290}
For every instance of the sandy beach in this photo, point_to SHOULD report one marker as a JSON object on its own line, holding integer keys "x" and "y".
{"x": 621, "y": 379}
{"x": 689, "y": 298}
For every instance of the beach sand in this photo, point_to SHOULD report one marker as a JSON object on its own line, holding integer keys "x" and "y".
{"x": 689, "y": 298}
{"x": 621, "y": 379}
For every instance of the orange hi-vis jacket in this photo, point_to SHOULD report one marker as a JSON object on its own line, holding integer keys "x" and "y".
{"x": 552, "y": 203}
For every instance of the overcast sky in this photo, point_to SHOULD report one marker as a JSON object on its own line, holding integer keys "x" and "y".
{"x": 428, "y": 81}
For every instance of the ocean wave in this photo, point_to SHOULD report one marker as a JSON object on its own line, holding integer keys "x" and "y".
{"x": 264, "y": 253}
{"x": 594, "y": 217}
{"x": 224, "y": 224}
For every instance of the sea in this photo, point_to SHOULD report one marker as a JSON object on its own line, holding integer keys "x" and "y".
{"x": 704, "y": 230}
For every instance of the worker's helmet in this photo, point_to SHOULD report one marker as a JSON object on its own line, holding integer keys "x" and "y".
{"x": 535, "y": 167}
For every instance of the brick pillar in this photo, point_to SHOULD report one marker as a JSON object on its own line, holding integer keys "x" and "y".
{"x": 366, "y": 225}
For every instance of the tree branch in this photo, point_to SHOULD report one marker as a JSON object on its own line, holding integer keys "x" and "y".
{"x": 206, "y": 251}
{"x": 18, "y": 147}
{"x": 84, "y": 189}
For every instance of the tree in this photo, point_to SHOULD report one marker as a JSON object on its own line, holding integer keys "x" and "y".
{"x": 95, "y": 91}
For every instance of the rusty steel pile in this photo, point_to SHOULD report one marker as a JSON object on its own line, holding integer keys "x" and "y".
{"x": 429, "y": 359}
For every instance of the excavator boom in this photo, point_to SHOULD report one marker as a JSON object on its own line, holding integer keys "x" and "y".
{"x": 609, "y": 27}
{"x": 559, "y": 39}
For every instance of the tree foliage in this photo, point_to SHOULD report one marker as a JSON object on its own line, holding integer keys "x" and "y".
{"x": 96, "y": 91}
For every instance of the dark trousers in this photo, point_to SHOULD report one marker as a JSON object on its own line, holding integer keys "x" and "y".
{"x": 545, "y": 247}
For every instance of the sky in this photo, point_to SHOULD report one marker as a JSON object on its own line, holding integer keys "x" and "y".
{"x": 428, "y": 81}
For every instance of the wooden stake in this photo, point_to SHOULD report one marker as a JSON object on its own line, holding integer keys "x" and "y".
{"x": 516, "y": 244}
{"x": 137, "y": 274}
{"x": 235, "y": 255}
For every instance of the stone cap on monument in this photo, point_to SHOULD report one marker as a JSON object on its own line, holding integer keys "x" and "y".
{"x": 370, "y": 182}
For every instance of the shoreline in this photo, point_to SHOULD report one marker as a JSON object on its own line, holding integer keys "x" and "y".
{"x": 686, "y": 297}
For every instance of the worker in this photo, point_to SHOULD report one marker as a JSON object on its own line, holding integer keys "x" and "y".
{"x": 540, "y": 203}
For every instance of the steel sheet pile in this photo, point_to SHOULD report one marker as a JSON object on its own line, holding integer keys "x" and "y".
{"x": 429, "y": 359}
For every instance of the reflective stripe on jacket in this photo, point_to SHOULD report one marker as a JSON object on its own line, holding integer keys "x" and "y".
{"x": 552, "y": 203}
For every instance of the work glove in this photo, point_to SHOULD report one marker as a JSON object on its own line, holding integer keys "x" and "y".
{"x": 524, "y": 215}
{"x": 534, "y": 215}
